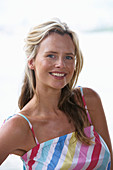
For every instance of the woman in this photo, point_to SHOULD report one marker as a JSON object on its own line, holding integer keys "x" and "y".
{"x": 58, "y": 126}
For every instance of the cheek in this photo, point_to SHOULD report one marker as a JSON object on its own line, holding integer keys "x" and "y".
{"x": 71, "y": 68}
{"x": 44, "y": 63}
{"x": 42, "y": 67}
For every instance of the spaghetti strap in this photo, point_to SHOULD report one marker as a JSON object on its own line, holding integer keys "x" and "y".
{"x": 31, "y": 127}
{"x": 26, "y": 119}
{"x": 88, "y": 115}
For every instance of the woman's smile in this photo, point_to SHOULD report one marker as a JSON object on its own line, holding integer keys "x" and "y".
{"x": 58, "y": 75}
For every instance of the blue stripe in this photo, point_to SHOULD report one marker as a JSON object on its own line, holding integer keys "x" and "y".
{"x": 9, "y": 117}
{"x": 109, "y": 166}
{"x": 57, "y": 153}
{"x": 24, "y": 168}
{"x": 44, "y": 154}
{"x": 24, "y": 117}
{"x": 20, "y": 115}
{"x": 106, "y": 156}
{"x": 81, "y": 89}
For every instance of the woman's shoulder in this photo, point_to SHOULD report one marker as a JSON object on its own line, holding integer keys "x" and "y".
{"x": 89, "y": 94}
{"x": 96, "y": 110}
{"x": 15, "y": 121}
{"x": 13, "y": 136}
{"x": 16, "y": 126}
{"x": 93, "y": 102}
{"x": 92, "y": 98}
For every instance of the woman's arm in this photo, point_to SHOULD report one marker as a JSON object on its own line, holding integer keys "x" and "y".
{"x": 98, "y": 118}
{"x": 12, "y": 137}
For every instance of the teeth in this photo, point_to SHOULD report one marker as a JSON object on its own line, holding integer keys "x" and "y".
{"x": 57, "y": 74}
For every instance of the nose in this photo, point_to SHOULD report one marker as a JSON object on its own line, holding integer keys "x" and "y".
{"x": 60, "y": 63}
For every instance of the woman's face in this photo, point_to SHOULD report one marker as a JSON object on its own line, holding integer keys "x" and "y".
{"x": 55, "y": 61}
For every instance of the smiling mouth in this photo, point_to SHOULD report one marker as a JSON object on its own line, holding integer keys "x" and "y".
{"x": 58, "y": 74}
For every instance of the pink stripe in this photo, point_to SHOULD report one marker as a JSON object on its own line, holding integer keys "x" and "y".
{"x": 33, "y": 131}
{"x": 24, "y": 157}
{"x": 82, "y": 157}
{"x": 96, "y": 152}
{"x": 83, "y": 152}
{"x": 33, "y": 154}
{"x": 86, "y": 110}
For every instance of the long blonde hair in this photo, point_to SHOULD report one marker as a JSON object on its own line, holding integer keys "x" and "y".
{"x": 67, "y": 100}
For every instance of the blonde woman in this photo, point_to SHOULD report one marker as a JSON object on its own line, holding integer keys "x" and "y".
{"x": 58, "y": 126}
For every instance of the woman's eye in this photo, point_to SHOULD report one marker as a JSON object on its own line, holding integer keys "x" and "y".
{"x": 69, "y": 57}
{"x": 51, "y": 56}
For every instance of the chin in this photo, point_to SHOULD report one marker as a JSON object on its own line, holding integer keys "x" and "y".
{"x": 59, "y": 87}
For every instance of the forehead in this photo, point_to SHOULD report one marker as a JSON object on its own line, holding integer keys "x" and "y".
{"x": 55, "y": 41}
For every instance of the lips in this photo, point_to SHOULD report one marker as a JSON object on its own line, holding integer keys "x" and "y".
{"x": 57, "y": 74}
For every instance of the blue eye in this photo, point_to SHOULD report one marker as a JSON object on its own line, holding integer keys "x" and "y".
{"x": 51, "y": 56}
{"x": 69, "y": 57}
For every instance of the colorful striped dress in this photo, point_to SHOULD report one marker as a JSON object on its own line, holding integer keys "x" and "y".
{"x": 68, "y": 153}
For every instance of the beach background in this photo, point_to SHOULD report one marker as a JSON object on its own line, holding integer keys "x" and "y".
{"x": 93, "y": 22}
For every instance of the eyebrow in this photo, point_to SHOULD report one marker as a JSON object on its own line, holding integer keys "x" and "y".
{"x": 53, "y": 52}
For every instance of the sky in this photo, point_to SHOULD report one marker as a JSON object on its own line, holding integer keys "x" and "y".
{"x": 93, "y": 22}
{"x": 85, "y": 14}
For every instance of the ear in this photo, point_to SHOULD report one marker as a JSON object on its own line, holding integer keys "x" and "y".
{"x": 31, "y": 64}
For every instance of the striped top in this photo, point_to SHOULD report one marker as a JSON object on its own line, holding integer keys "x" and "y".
{"x": 68, "y": 153}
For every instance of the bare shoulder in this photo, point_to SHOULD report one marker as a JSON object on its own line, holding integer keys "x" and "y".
{"x": 15, "y": 130}
{"x": 96, "y": 111}
{"x": 16, "y": 125}
{"x": 94, "y": 104}
{"x": 13, "y": 135}
{"x": 90, "y": 94}
{"x": 91, "y": 97}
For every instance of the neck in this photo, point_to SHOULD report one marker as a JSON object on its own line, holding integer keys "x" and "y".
{"x": 47, "y": 100}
